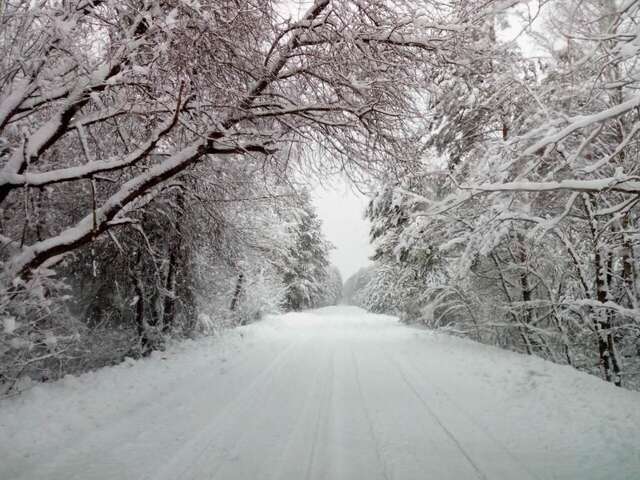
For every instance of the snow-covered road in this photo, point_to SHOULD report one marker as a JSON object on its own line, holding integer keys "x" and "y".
{"x": 331, "y": 394}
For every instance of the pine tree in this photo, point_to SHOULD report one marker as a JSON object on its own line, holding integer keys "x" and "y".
{"x": 305, "y": 272}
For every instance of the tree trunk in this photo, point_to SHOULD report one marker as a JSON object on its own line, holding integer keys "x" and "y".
{"x": 140, "y": 321}
{"x": 170, "y": 280}
{"x": 521, "y": 328}
{"x": 169, "y": 307}
{"x": 604, "y": 263}
{"x": 525, "y": 289}
{"x": 237, "y": 292}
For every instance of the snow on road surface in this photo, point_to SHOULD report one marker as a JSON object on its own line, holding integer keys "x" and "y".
{"x": 331, "y": 394}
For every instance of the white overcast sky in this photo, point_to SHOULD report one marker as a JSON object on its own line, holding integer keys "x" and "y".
{"x": 341, "y": 210}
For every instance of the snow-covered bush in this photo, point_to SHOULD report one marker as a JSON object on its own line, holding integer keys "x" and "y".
{"x": 37, "y": 331}
{"x": 263, "y": 293}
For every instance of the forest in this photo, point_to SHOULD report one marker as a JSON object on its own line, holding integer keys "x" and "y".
{"x": 520, "y": 227}
{"x": 156, "y": 159}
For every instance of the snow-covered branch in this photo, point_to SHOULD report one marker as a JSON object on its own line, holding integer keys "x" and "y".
{"x": 612, "y": 184}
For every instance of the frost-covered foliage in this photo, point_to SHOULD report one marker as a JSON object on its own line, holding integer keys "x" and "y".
{"x": 403, "y": 265}
{"x": 332, "y": 287}
{"x": 143, "y": 144}
{"x": 354, "y": 284}
{"x": 103, "y": 103}
{"x": 306, "y": 265}
{"x": 146, "y": 147}
{"x": 198, "y": 260}
{"x": 525, "y": 212}
{"x": 35, "y": 329}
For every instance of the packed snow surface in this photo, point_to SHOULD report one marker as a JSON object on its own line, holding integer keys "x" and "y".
{"x": 330, "y": 394}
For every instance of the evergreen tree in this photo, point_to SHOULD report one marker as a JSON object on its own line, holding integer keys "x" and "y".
{"x": 332, "y": 287}
{"x": 306, "y": 268}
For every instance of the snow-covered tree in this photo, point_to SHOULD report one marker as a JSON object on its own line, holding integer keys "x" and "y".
{"x": 332, "y": 288}
{"x": 177, "y": 84}
{"x": 354, "y": 285}
{"x": 537, "y": 210}
{"x": 306, "y": 268}
{"x": 115, "y": 116}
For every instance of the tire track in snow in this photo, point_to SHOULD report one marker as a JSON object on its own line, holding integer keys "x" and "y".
{"x": 208, "y": 435}
{"x": 367, "y": 414}
{"x": 479, "y": 473}
{"x": 323, "y": 412}
{"x": 477, "y": 424}
{"x": 293, "y": 442}
{"x": 151, "y": 406}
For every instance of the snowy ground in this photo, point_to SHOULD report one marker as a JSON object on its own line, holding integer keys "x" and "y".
{"x": 332, "y": 394}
